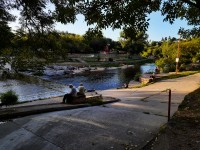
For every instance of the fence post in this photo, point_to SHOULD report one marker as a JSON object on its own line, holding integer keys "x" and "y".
{"x": 169, "y": 104}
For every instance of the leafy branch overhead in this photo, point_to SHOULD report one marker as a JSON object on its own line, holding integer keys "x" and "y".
{"x": 40, "y": 15}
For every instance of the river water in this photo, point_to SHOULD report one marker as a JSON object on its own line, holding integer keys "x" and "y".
{"x": 100, "y": 80}
{"x": 58, "y": 86}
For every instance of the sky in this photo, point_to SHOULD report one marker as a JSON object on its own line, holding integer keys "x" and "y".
{"x": 156, "y": 31}
{"x": 157, "y": 28}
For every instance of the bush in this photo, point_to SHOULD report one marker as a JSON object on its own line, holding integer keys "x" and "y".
{"x": 9, "y": 98}
{"x": 110, "y": 59}
{"x": 137, "y": 76}
{"x": 182, "y": 67}
{"x": 38, "y": 73}
{"x": 166, "y": 69}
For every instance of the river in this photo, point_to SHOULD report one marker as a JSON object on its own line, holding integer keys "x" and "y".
{"x": 58, "y": 86}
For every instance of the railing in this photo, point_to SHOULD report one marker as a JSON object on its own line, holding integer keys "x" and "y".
{"x": 169, "y": 103}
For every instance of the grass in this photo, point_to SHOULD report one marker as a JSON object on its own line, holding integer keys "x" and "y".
{"x": 116, "y": 63}
{"x": 142, "y": 85}
{"x": 95, "y": 102}
{"x": 180, "y": 74}
{"x": 170, "y": 76}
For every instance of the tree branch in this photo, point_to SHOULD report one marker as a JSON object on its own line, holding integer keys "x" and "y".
{"x": 197, "y": 4}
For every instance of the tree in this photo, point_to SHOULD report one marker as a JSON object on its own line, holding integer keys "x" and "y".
{"x": 98, "y": 44}
{"x": 92, "y": 34}
{"x": 5, "y": 31}
{"x": 133, "y": 13}
{"x": 132, "y": 42}
{"x": 183, "y": 9}
{"x": 37, "y": 16}
{"x": 166, "y": 53}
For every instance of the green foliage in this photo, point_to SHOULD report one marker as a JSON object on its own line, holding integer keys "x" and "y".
{"x": 40, "y": 41}
{"x": 131, "y": 15}
{"x": 137, "y": 76}
{"x": 184, "y": 9}
{"x": 5, "y": 36}
{"x": 92, "y": 34}
{"x": 110, "y": 59}
{"x": 110, "y": 64}
{"x": 167, "y": 52}
{"x": 133, "y": 43}
{"x": 9, "y": 98}
{"x": 95, "y": 102}
{"x": 180, "y": 74}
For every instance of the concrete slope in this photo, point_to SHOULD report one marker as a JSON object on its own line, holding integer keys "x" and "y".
{"x": 128, "y": 124}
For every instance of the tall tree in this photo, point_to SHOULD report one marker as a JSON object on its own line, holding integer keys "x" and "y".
{"x": 40, "y": 15}
{"x": 183, "y": 9}
{"x": 133, "y": 43}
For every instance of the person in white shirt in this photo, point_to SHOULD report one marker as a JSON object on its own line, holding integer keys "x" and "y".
{"x": 81, "y": 89}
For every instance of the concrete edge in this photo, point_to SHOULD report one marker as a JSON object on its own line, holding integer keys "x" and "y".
{"x": 19, "y": 114}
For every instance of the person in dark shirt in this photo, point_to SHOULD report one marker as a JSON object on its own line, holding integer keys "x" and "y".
{"x": 68, "y": 97}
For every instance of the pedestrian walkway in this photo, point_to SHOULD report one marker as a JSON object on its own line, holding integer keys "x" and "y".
{"x": 52, "y": 100}
{"x": 128, "y": 124}
{"x": 42, "y": 106}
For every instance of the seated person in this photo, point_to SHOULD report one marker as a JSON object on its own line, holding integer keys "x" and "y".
{"x": 81, "y": 89}
{"x": 157, "y": 70}
{"x": 153, "y": 76}
{"x": 125, "y": 85}
{"x": 69, "y": 96}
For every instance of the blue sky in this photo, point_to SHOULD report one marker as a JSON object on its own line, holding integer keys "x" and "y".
{"x": 157, "y": 28}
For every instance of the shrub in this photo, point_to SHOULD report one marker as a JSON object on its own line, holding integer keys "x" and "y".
{"x": 38, "y": 73}
{"x": 182, "y": 67}
{"x": 166, "y": 69}
{"x": 110, "y": 59}
{"x": 9, "y": 98}
{"x": 137, "y": 76}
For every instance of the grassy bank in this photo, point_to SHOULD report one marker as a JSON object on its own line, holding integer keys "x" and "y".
{"x": 118, "y": 63}
{"x": 169, "y": 76}
{"x": 180, "y": 74}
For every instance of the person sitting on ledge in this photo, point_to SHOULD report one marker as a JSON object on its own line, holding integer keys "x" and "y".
{"x": 152, "y": 77}
{"x": 124, "y": 86}
{"x": 68, "y": 97}
{"x": 81, "y": 89}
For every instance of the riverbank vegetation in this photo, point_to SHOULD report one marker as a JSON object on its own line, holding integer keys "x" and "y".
{"x": 8, "y": 98}
{"x": 167, "y": 50}
{"x": 35, "y": 43}
{"x": 25, "y": 51}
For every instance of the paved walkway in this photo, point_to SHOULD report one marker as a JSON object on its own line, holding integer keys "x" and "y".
{"x": 52, "y": 100}
{"x": 47, "y": 105}
{"x": 128, "y": 124}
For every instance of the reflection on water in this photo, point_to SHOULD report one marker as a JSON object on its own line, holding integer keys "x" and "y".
{"x": 30, "y": 91}
{"x": 95, "y": 80}
{"x": 40, "y": 89}
{"x": 148, "y": 68}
